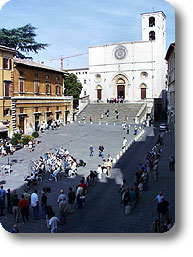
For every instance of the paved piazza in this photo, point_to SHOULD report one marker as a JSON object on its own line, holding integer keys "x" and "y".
{"x": 103, "y": 211}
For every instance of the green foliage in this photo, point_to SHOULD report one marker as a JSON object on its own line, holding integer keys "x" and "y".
{"x": 21, "y": 39}
{"x": 35, "y": 134}
{"x": 72, "y": 87}
{"x": 14, "y": 141}
{"x": 26, "y": 139}
{"x": 17, "y": 135}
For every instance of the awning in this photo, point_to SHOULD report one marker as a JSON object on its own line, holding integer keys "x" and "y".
{"x": 3, "y": 128}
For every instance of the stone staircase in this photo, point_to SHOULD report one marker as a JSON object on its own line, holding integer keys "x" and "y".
{"x": 128, "y": 110}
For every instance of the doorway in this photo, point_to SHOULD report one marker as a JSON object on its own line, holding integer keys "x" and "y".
{"x": 143, "y": 93}
{"x": 21, "y": 124}
{"x": 37, "y": 125}
{"x": 121, "y": 91}
{"x": 99, "y": 94}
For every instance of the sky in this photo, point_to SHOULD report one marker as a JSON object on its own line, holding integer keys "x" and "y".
{"x": 71, "y": 26}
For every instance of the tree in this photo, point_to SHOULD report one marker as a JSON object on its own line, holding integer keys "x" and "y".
{"x": 73, "y": 88}
{"x": 21, "y": 39}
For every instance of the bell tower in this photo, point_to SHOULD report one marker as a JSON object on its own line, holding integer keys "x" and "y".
{"x": 154, "y": 27}
{"x": 154, "y": 32}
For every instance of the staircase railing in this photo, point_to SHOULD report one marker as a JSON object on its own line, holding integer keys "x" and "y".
{"x": 83, "y": 102}
{"x": 141, "y": 115}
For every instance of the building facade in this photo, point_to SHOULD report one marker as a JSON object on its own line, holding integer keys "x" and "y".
{"x": 170, "y": 58}
{"x": 83, "y": 77}
{"x": 134, "y": 71}
{"x": 32, "y": 94}
{"x": 6, "y": 86}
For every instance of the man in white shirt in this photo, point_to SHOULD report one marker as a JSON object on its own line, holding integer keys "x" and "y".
{"x": 53, "y": 223}
{"x": 99, "y": 172}
{"x": 35, "y": 204}
{"x": 159, "y": 198}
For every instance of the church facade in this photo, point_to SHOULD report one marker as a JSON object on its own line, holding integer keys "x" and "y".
{"x": 133, "y": 71}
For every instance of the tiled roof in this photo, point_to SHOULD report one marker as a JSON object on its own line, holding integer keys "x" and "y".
{"x": 7, "y": 49}
{"x": 171, "y": 47}
{"x": 35, "y": 64}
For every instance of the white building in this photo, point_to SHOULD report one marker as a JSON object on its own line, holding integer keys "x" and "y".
{"x": 134, "y": 71}
{"x": 83, "y": 77}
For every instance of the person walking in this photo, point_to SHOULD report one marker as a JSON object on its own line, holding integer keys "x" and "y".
{"x": 124, "y": 143}
{"x": 101, "y": 151}
{"x": 172, "y": 163}
{"x": 126, "y": 197}
{"x": 27, "y": 196}
{"x": 71, "y": 199}
{"x": 155, "y": 170}
{"x": 23, "y": 203}
{"x": 30, "y": 145}
{"x": 79, "y": 199}
{"x": 109, "y": 167}
{"x": 128, "y": 126}
{"x": 163, "y": 209}
{"x": 9, "y": 196}
{"x": 91, "y": 150}
{"x": 15, "y": 203}
{"x": 43, "y": 204}
{"x": 61, "y": 195}
{"x": 135, "y": 130}
{"x": 35, "y": 205}
{"x": 159, "y": 198}
{"x": 2, "y": 200}
{"x": 53, "y": 223}
{"x": 99, "y": 172}
{"x": 63, "y": 209}
{"x": 122, "y": 189}
{"x": 132, "y": 198}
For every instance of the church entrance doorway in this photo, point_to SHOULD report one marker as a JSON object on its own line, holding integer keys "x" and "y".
{"x": 99, "y": 94}
{"x": 121, "y": 91}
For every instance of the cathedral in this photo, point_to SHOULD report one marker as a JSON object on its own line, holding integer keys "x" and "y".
{"x": 133, "y": 71}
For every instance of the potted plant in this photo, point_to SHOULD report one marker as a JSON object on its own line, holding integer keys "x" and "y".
{"x": 35, "y": 135}
{"x": 25, "y": 140}
{"x": 14, "y": 141}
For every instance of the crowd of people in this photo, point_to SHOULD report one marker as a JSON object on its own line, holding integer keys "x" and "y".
{"x": 37, "y": 204}
{"x": 115, "y": 100}
{"x": 130, "y": 195}
{"x": 62, "y": 163}
{"x": 54, "y": 165}
{"x": 7, "y": 149}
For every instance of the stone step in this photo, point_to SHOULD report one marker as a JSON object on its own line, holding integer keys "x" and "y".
{"x": 95, "y": 110}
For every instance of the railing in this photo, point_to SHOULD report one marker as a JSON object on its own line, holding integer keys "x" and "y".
{"x": 83, "y": 102}
{"x": 141, "y": 115}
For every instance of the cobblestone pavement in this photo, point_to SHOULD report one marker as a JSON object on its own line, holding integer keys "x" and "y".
{"x": 103, "y": 211}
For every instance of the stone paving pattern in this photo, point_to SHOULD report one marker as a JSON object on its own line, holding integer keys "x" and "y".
{"x": 103, "y": 212}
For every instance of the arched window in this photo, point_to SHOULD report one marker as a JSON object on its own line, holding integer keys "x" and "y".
{"x": 151, "y": 22}
{"x": 151, "y": 35}
{"x": 143, "y": 91}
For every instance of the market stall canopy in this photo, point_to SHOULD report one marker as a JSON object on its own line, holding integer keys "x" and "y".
{"x": 3, "y": 128}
